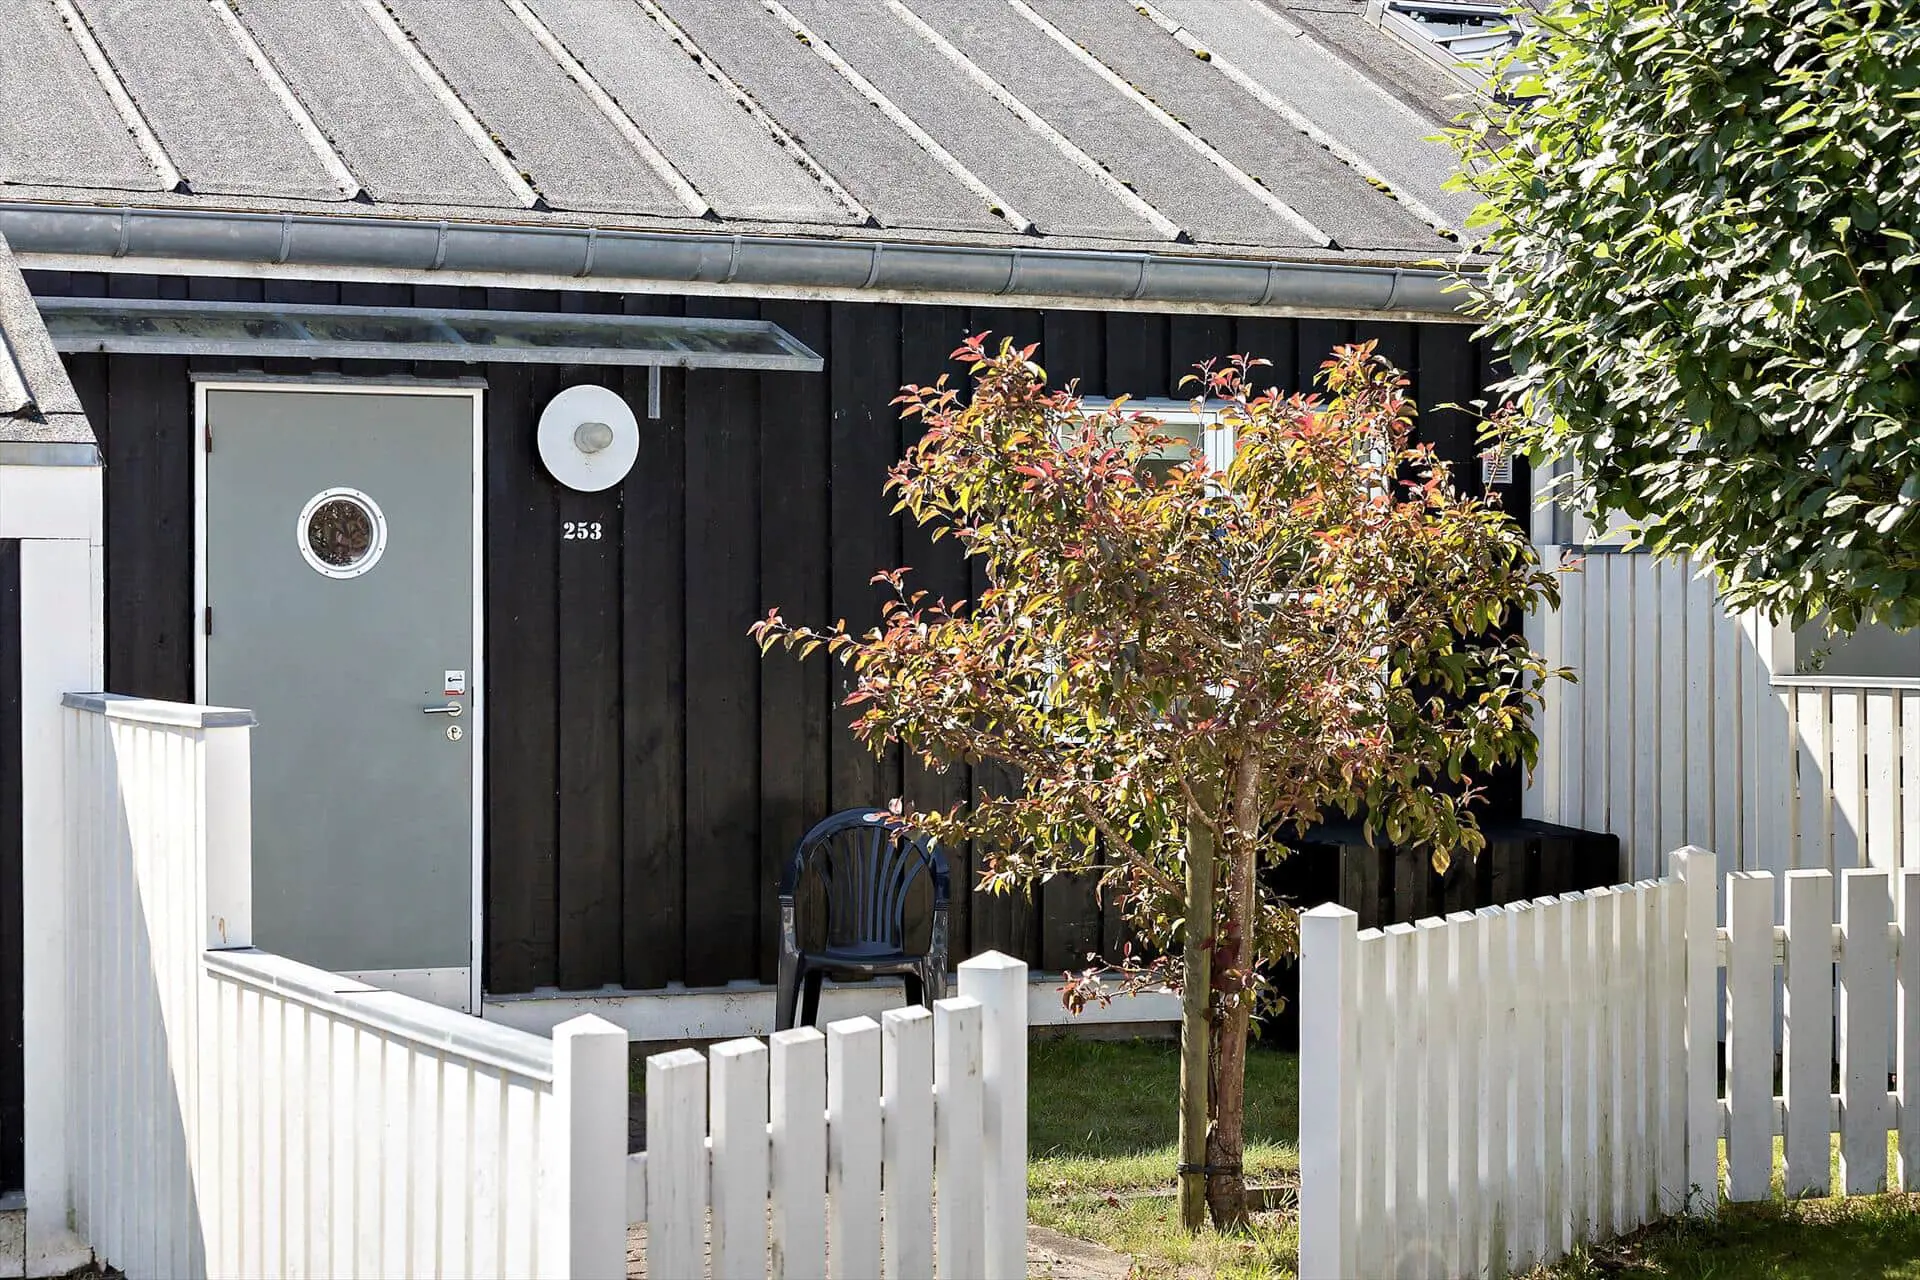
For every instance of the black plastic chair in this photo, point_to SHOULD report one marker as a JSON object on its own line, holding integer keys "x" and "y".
{"x": 859, "y": 869}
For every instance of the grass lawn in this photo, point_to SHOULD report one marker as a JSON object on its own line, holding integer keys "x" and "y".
{"x": 1870, "y": 1238}
{"x": 1101, "y": 1126}
{"x": 1102, "y": 1117}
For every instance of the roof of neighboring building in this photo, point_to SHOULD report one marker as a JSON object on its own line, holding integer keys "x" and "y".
{"x": 1288, "y": 130}
{"x": 38, "y": 406}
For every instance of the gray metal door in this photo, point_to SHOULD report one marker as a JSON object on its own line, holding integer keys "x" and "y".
{"x": 339, "y": 579}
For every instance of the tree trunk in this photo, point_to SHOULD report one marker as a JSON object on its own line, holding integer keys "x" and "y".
{"x": 1195, "y": 1026}
{"x": 1227, "y": 1141}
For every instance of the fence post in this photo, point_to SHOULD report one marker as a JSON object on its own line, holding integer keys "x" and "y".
{"x": 58, "y": 652}
{"x": 590, "y": 1126}
{"x": 1329, "y": 965}
{"x": 999, "y": 983}
{"x": 1695, "y": 868}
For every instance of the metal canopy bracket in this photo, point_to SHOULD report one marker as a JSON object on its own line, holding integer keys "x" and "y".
{"x": 253, "y": 329}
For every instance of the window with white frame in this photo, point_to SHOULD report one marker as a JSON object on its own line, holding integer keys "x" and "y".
{"x": 1188, "y": 425}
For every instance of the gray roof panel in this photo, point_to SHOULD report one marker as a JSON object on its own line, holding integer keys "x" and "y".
{"x": 903, "y": 185}
{"x": 568, "y": 149}
{"x": 1419, "y": 81}
{"x": 38, "y": 405}
{"x": 57, "y": 124}
{"x": 1391, "y": 137}
{"x": 1022, "y": 166}
{"x": 1109, "y": 124}
{"x": 1261, "y": 143}
{"x": 379, "y": 114}
{"x": 213, "y": 112}
{"x": 730, "y": 158}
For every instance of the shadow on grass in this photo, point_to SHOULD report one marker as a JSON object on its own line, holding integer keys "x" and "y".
{"x": 1867, "y": 1238}
{"x": 1102, "y": 1121}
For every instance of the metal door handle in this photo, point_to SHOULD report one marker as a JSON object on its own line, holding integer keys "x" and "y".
{"x": 451, "y": 709}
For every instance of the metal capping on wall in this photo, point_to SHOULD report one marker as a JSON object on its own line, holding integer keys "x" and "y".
{"x": 854, "y": 266}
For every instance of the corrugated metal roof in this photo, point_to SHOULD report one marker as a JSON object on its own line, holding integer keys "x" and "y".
{"x": 1237, "y": 127}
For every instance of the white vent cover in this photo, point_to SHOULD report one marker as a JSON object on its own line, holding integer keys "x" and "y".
{"x": 1496, "y": 467}
{"x": 588, "y": 438}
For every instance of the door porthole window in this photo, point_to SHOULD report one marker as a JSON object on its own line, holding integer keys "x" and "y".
{"x": 341, "y": 533}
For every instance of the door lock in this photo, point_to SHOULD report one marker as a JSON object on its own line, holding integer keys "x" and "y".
{"x": 451, "y": 709}
{"x": 453, "y": 733}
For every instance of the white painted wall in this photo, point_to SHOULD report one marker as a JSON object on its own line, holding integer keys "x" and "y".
{"x": 55, "y": 512}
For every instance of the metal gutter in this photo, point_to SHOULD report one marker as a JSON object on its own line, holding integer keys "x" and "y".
{"x": 566, "y": 256}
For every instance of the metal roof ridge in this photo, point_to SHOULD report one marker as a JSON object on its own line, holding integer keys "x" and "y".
{"x": 1212, "y": 154}
{"x": 616, "y": 115}
{"x": 93, "y": 237}
{"x": 824, "y": 50}
{"x": 117, "y": 93}
{"x": 343, "y": 177}
{"x": 1291, "y": 114}
{"x": 456, "y": 107}
{"x": 1006, "y": 97}
{"x": 678, "y": 34}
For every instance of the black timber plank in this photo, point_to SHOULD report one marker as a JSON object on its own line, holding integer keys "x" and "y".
{"x": 1316, "y": 341}
{"x": 13, "y": 1055}
{"x": 795, "y": 696}
{"x": 1193, "y": 341}
{"x": 148, "y": 451}
{"x": 1073, "y": 347}
{"x": 1007, "y": 922}
{"x": 522, "y": 611}
{"x": 588, "y": 850}
{"x": 653, "y": 671}
{"x": 864, "y": 437}
{"x": 1273, "y": 339}
{"x": 1137, "y": 355}
{"x": 723, "y": 667}
{"x": 928, "y": 336}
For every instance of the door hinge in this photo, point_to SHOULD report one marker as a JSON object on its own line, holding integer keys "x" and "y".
{"x": 209, "y": 437}
{"x": 209, "y": 619}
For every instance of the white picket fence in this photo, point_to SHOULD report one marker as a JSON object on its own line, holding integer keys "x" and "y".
{"x": 1481, "y": 1092}
{"x": 234, "y": 1113}
{"x": 1680, "y": 732}
{"x": 823, "y": 1153}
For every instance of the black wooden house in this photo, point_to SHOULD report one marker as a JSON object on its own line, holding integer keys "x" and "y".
{"x": 319, "y": 269}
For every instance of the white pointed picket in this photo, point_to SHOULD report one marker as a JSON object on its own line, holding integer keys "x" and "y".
{"x": 1528, "y": 1077}
{"x": 1808, "y": 1053}
{"x": 1866, "y": 994}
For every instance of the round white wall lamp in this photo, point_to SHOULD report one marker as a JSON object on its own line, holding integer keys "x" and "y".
{"x": 588, "y": 438}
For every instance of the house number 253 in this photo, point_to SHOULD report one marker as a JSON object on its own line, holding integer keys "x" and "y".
{"x": 580, "y": 531}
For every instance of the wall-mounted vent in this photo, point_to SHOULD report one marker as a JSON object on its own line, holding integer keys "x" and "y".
{"x": 1496, "y": 468}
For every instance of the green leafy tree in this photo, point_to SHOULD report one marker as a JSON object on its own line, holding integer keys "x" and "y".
{"x": 1702, "y": 222}
{"x": 1180, "y": 667}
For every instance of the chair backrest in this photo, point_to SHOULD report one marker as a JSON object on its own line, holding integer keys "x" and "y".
{"x": 865, "y": 866}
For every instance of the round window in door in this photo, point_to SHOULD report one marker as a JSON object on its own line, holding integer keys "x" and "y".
{"x": 341, "y": 532}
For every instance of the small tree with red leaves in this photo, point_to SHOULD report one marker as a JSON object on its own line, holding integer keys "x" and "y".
{"x": 1182, "y": 668}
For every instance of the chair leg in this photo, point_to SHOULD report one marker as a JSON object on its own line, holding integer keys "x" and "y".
{"x": 934, "y": 973}
{"x": 787, "y": 994}
{"x": 810, "y": 1006}
{"x": 916, "y": 989}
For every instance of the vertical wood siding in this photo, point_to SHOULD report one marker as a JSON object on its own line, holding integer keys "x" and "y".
{"x": 646, "y": 770}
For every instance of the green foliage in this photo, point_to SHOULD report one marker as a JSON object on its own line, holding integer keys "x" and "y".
{"x": 1702, "y": 220}
{"x": 1287, "y": 635}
